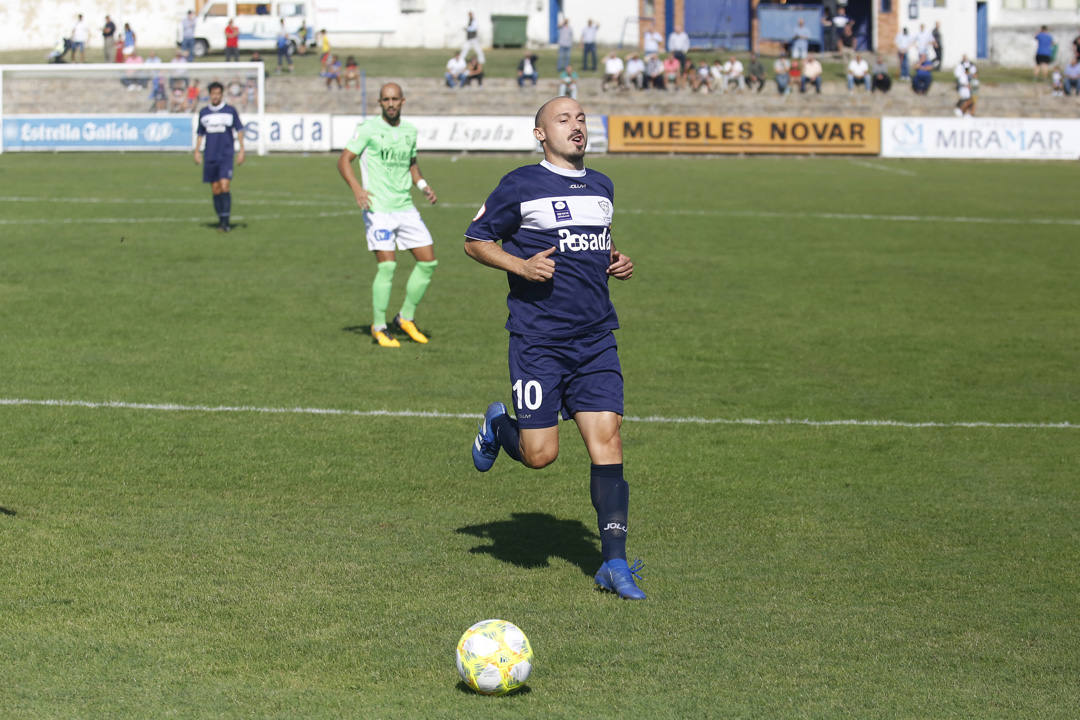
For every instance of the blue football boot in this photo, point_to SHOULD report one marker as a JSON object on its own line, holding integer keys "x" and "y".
{"x": 617, "y": 577}
{"x": 485, "y": 448}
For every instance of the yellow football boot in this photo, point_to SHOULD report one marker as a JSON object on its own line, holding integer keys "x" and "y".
{"x": 409, "y": 328}
{"x": 384, "y": 338}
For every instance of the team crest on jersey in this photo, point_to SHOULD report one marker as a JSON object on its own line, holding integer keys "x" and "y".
{"x": 605, "y": 208}
{"x": 562, "y": 210}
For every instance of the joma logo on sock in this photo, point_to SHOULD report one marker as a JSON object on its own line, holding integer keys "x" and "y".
{"x": 614, "y": 526}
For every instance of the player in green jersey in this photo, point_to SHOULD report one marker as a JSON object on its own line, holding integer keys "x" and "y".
{"x": 386, "y": 147}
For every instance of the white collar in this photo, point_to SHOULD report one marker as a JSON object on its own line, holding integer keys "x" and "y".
{"x": 562, "y": 171}
{"x": 215, "y": 108}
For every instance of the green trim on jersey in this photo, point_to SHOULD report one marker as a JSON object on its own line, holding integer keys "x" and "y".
{"x": 386, "y": 152}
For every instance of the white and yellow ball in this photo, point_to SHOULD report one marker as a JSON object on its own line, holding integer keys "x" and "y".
{"x": 494, "y": 657}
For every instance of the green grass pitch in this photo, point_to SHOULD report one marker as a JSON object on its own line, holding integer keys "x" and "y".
{"x": 240, "y": 563}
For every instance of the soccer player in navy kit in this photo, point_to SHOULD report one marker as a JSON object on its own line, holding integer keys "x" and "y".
{"x": 554, "y": 222}
{"x": 218, "y": 124}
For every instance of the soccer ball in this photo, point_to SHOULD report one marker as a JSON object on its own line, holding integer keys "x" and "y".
{"x": 494, "y": 657}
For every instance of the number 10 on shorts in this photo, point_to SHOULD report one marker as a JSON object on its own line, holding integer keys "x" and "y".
{"x": 528, "y": 395}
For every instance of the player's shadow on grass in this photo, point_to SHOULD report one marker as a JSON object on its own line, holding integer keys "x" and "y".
{"x": 530, "y": 540}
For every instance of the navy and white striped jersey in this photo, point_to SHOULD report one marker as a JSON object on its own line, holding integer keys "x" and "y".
{"x": 539, "y": 206}
{"x": 218, "y": 124}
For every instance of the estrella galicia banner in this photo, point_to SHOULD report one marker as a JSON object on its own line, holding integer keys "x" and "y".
{"x": 98, "y": 132}
{"x": 802, "y": 135}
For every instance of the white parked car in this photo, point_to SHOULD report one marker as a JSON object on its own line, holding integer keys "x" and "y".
{"x": 259, "y": 24}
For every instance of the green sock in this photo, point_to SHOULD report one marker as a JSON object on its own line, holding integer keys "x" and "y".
{"x": 380, "y": 292}
{"x": 419, "y": 279}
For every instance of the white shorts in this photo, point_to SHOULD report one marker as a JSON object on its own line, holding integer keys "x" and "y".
{"x": 401, "y": 230}
{"x": 965, "y": 92}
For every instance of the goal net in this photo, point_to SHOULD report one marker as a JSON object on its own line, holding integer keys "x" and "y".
{"x": 123, "y": 106}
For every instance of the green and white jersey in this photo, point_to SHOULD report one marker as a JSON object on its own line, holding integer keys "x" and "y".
{"x": 386, "y": 152}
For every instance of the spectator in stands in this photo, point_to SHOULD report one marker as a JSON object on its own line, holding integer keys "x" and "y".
{"x": 284, "y": 52}
{"x": 474, "y": 72}
{"x": 257, "y": 58}
{"x": 678, "y": 44}
{"x": 187, "y": 35}
{"x": 472, "y": 39}
{"x": 923, "y": 75}
{"x": 568, "y": 82}
{"x": 324, "y": 48}
{"x": 904, "y": 41}
{"x": 635, "y": 71}
{"x": 811, "y": 73}
{"x": 588, "y": 43}
{"x": 965, "y": 104}
{"x": 858, "y": 73}
{"x": 800, "y": 44}
{"x": 673, "y": 72}
{"x": 613, "y": 72}
{"x": 80, "y": 35}
{"x": 881, "y": 81}
{"x": 232, "y": 42}
{"x": 651, "y": 40}
{"x": 717, "y": 76}
{"x": 847, "y": 41}
{"x": 795, "y": 75}
{"x": 456, "y": 71}
{"x": 1044, "y": 52}
{"x": 755, "y": 73}
{"x": 939, "y": 45}
{"x": 654, "y": 73}
{"x": 177, "y": 91}
{"x": 1076, "y": 45}
{"x": 302, "y": 38}
{"x": 129, "y": 41}
{"x": 108, "y": 38}
{"x": 924, "y": 42}
{"x": 781, "y": 67}
{"x": 694, "y": 79}
{"x": 733, "y": 73}
{"x": 840, "y": 23}
{"x": 1072, "y": 76}
{"x": 333, "y": 72}
{"x": 352, "y": 73}
{"x": 193, "y": 95}
{"x": 565, "y": 44}
{"x": 1057, "y": 82}
{"x": 526, "y": 69}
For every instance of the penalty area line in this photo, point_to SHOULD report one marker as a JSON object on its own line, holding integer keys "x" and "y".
{"x": 435, "y": 414}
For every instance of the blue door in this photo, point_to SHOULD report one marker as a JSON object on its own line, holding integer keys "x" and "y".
{"x": 982, "y": 24}
{"x": 718, "y": 23}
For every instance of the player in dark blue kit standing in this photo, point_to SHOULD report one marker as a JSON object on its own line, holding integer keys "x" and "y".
{"x": 554, "y": 222}
{"x": 218, "y": 124}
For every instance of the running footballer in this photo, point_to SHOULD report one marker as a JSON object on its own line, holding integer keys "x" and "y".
{"x": 549, "y": 227}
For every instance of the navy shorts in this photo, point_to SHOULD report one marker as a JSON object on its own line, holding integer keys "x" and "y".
{"x": 214, "y": 171}
{"x": 572, "y": 375}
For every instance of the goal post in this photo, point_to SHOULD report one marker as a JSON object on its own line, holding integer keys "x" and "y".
{"x": 120, "y": 106}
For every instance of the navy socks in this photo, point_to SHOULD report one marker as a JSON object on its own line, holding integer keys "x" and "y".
{"x": 611, "y": 498}
{"x": 507, "y": 435}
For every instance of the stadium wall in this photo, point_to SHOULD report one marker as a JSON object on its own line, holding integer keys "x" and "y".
{"x": 28, "y": 24}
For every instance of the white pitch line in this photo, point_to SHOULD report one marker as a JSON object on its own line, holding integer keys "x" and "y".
{"x": 155, "y": 220}
{"x": 883, "y": 168}
{"x": 651, "y": 419}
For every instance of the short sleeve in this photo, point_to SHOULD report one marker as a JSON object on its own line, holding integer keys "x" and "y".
{"x": 500, "y": 215}
{"x": 200, "y": 129}
{"x": 359, "y": 140}
{"x": 237, "y": 125}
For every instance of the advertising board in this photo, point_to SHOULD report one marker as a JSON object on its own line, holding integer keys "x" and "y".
{"x": 98, "y": 132}
{"x": 982, "y": 138}
{"x": 677, "y": 134}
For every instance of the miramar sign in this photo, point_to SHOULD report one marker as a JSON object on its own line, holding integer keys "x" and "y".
{"x": 98, "y": 132}
{"x": 992, "y": 138}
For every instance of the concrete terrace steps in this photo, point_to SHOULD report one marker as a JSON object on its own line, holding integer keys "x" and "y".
{"x": 501, "y": 96}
